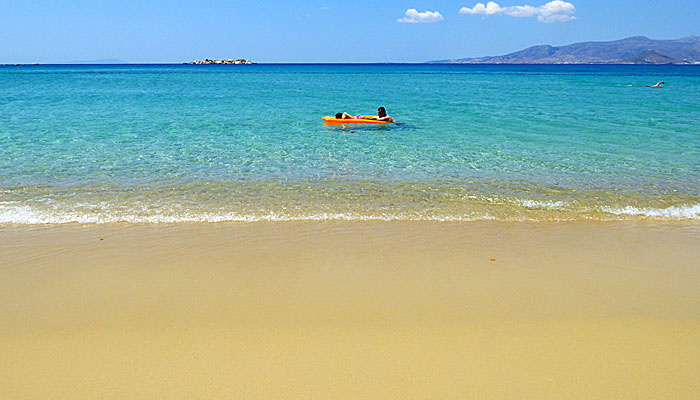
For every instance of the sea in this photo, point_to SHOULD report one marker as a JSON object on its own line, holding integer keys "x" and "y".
{"x": 173, "y": 143}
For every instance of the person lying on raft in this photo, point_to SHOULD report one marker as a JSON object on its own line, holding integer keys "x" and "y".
{"x": 344, "y": 115}
{"x": 381, "y": 116}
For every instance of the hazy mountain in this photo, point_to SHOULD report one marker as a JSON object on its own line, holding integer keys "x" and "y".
{"x": 650, "y": 57}
{"x": 634, "y": 50}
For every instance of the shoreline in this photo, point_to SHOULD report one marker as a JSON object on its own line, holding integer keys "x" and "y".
{"x": 351, "y": 309}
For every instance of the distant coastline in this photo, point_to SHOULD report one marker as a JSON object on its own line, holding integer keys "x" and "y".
{"x": 630, "y": 51}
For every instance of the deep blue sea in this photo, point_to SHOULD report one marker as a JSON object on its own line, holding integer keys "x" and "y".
{"x": 177, "y": 143}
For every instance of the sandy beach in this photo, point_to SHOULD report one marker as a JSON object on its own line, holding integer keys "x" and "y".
{"x": 351, "y": 310}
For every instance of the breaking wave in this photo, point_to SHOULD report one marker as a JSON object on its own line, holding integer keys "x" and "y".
{"x": 673, "y": 212}
{"x": 529, "y": 210}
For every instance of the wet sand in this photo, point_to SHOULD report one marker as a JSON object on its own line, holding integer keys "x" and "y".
{"x": 300, "y": 310}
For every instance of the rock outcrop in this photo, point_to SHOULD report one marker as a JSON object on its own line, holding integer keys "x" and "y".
{"x": 223, "y": 61}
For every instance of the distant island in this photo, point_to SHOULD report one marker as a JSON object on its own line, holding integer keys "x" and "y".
{"x": 223, "y": 61}
{"x": 633, "y": 50}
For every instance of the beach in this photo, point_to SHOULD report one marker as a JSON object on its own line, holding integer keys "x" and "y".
{"x": 309, "y": 309}
{"x": 196, "y": 231}
{"x": 508, "y": 207}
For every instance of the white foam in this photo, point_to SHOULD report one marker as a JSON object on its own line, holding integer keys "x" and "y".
{"x": 541, "y": 204}
{"x": 25, "y": 215}
{"x": 673, "y": 212}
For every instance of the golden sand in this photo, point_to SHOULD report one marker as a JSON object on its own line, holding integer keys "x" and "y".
{"x": 352, "y": 310}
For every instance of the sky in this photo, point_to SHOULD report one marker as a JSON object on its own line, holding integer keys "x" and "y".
{"x": 278, "y": 31}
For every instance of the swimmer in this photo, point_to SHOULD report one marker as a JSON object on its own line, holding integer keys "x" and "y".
{"x": 657, "y": 85}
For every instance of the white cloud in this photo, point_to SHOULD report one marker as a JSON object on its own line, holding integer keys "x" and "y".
{"x": 413, "y": 16}
{"x": 554, "y": 11}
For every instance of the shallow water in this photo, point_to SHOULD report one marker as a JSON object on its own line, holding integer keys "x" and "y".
{"x": 169, "y": 143}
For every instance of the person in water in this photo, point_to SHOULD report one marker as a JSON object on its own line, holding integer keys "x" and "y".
{"x": 344, "y": 115}
{"x": 657, "y": 85}
{"x": 381, "y": 116}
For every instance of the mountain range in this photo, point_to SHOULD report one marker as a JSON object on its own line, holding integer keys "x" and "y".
{"x": 633, "y": 50}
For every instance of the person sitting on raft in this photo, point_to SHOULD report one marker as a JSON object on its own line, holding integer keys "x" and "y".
{"x": 381, "y": 116}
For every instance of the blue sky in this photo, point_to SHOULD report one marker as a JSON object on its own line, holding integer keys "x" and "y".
{"x": 319, "y": 31}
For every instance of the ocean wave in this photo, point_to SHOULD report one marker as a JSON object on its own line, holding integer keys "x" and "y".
{"x": 512, "y": 211}
{"x": 673, "y": 212}
{"x": 25, "y": 215}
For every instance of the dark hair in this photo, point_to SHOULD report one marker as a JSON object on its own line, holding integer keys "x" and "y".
{"x": 382, "y": 109}
{"x": 339, "y": 116}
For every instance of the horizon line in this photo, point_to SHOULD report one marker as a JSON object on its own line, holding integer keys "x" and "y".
{"x": 6, "y": 64}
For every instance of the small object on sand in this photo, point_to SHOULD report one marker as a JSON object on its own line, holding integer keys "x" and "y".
{"x": 493, "y": 259}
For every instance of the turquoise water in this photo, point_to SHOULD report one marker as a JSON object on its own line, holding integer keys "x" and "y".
{"x": 169, "y": 143}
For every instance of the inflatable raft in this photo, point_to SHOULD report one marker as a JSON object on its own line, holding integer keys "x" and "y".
{"x": 345, "y": 121}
